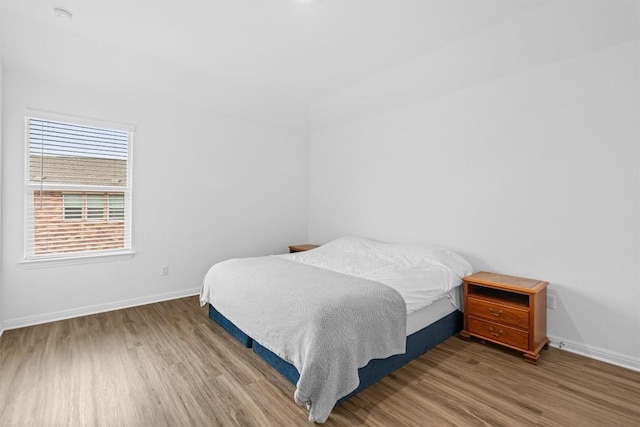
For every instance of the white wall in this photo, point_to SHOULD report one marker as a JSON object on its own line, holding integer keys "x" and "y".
{"x": 1, "y": 139}
{"x": 531, "y": 168}
{"x": 206, "y": 187}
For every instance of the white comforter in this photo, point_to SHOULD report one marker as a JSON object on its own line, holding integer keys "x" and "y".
{"x": 326, "y": 324}
{"x": 420, "y": 274}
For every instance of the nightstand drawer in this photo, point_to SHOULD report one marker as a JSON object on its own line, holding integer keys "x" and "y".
{"x": 499, "y": 332}
{"x": 498, "y": 312}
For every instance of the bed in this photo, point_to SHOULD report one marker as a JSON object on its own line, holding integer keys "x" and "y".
{"x": 335, "y": 319}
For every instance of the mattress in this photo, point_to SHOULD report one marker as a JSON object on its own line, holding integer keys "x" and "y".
{"x": 430, "y": 314}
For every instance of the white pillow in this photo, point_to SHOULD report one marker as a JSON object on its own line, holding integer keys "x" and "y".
{"x": 400, "y": 255}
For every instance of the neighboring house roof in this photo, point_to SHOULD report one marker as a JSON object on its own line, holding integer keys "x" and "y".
{"x": 79, "y": 170}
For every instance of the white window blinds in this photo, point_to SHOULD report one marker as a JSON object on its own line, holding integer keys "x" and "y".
{"x": 78, "y": 189}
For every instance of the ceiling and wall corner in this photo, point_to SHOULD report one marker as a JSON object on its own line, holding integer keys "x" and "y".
{"x": 548, "y": 33}
{"x": 267, "y": 61}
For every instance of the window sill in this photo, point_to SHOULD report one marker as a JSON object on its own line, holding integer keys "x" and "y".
{"x": 76, "y": 259}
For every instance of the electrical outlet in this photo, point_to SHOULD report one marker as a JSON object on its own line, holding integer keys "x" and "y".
{"x": 164, "y": 270}
{"x": 551, "y": 302}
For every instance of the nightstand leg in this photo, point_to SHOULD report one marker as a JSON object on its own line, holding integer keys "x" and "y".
{"x": 464, "y": 335}
{"x": 531, "y": 358}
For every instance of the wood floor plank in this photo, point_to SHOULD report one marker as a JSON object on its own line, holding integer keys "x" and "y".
{"x": 167, "y": 364}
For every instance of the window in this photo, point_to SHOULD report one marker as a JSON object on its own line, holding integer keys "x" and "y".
{"x": 78, "y": 188}
{"x": 116, "y": 207}
{"x": 72, "y": 206}
{"x": 95, "y": 206}
{"x": 92, "y": 206}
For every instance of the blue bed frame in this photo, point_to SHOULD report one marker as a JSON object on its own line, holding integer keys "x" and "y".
{"x": 417, "y": 344}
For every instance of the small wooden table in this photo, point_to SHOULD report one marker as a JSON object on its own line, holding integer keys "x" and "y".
{"x": 301, "y": 248}
{"x": 506, "y": 310}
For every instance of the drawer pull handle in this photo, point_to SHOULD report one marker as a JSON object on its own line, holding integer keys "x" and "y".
{"x": 495, "y": 313}
{"x": 495, "y": 334}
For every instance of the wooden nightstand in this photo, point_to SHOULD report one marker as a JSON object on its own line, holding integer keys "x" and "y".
{"x": 301, "y": 248}
{"x": 506, "y": 310}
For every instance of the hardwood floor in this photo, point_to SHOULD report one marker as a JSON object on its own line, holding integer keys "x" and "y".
{"x": 167, "y": 364}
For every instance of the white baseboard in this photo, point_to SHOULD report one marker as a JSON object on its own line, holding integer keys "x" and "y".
{"x": 596, "y": 353}
{"x": 22, "y": 322}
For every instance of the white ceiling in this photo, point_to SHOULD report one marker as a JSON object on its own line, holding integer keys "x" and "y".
{"x": 268, "y": 60}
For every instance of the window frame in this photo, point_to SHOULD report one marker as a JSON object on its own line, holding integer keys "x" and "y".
{"x": 30, "y": 260}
